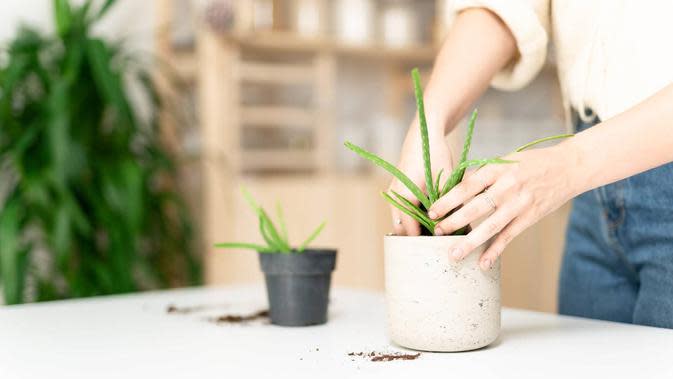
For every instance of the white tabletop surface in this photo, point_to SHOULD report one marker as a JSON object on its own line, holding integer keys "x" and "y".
{"x": 133, "y": 337}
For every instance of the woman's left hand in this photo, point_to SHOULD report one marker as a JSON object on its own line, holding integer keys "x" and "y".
{"x": 513, "y": 195}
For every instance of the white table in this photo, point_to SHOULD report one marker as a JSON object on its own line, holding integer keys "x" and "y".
{"x": 133, "y": 337}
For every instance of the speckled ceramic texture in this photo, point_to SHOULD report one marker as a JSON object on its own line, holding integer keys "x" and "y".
{"x": 436, "y": 304}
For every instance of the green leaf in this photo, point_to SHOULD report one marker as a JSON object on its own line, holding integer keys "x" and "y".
{"x": 311, "y": 237}
{"x": 281, "y": 221}
{"x": 393, "y": 170}
{"x": 11, "y": 270}
{"x": 457, "y": 175}
{"x": 483, "y": 162}
{"x": 108, "y": 81}
{"x": 267, "y": 227}
{"x": 425, "y": 143}
{"x": 412, "y": 207}
{"x": 243, "y": 245}
{"x": 105, "y": 8}
{"x": 62, "y": 16}
{"x": 438, "y": 190}
{"x": 273, "y": 243}
{"x": 270, "y": 228}
{"x": 541, "y": 140}
{"x": 407, "y": 211}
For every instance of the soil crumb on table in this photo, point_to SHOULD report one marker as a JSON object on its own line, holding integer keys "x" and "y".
{"x": 376, "y": 356}
{"x": 238, "y": 319}
{"x": 174, "y": 309}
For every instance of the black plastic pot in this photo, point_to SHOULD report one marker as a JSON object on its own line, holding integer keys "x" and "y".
{"x": 297, "y": 286}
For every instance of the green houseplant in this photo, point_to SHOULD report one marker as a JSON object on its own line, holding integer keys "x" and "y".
{"x": 88, "y": 200}
{"x": 433, "y": 302}
{"x": 297, "y": 279}
{"x": 435, "y": 188}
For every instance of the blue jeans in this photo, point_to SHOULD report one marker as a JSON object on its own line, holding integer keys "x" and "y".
{"x": 618, "y": 261}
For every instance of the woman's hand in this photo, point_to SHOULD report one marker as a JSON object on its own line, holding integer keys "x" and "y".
{"x": 513, "y": 195}
{"x": 411, "y": 163}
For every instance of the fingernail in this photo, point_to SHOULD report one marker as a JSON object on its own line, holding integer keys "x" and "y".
{"x": 432, "y": 214}
{"x": 438, "y": 231}
{"x": 456, "y": 253}
{"x": 485, "y": 264}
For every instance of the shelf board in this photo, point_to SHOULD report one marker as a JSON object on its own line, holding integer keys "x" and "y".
{"x": 267, "y": 160}
{"x": 277, "y": 116}
{"x": 276, "y": 73}
{"x": 290, "y": 42}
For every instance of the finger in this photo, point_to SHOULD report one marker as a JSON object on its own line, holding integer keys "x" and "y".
{"x": 513, "y": 229}
{"x": 404, "y": 224}
{"x": 411, "y": 226}
{"x": 487, "y": 229}
{"x": 469, "y": 187}
{"x": 476, "y": 208}
{"x": 398, "y": 229}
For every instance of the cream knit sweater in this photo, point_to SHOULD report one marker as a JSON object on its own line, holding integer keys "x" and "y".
{"x": 611, "y": 54}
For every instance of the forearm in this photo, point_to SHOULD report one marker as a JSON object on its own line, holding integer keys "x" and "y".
{"x": 630, "y": 143}
{"x": 477, "y": 47}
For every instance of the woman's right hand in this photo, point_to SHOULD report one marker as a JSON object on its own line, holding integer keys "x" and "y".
{"x": 411, "y": 163}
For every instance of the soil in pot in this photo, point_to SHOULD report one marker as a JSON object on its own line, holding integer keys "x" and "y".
{"x": 298, "y": 286}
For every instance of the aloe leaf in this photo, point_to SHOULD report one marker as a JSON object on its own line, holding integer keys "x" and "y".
{"x": 251, "y": 201}
{"x": 412, "y": 207}
{"x": 437, "y": 183}
{"x": 266, "y": 225}
{"x": 407, "y": 211}
{"x": 281, "y": 221}
{"x": 457, "y": 175}
{"x": 471, "y": 163}
{"x": 243, "y": 245}
{"x": 541, "y": 140}
{"x": 311, "y": 237}
{"x": 425, "y": 141}
{"x": 272, "y": 232}
{"x": 483, "y": 162}
{"x": 265, "y": 234}
{"x": 393, "y": 170}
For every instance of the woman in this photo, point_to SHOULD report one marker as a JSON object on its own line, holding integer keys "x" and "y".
{"x": 616, "y": 70}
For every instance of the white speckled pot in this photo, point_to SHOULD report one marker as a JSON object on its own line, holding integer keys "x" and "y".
{"x": 436, "y": 304}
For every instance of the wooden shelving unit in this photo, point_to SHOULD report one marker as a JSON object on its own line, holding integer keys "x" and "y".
{"x": 221, "y": 66}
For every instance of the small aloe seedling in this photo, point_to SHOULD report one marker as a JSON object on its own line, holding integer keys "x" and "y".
{"x": 276, "y": 238}
{"x": 434, "y": 188}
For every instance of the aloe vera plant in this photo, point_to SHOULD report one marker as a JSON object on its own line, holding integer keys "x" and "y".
{"x": 434, "y": 188}
{"x": 276, "y": 238}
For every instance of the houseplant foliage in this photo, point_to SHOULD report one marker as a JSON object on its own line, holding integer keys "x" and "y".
{"x": 297, "y": 279}
{"x": 88, "y": 204}
{"x": 434, "y": 187}
{"x": 276, "y": 238}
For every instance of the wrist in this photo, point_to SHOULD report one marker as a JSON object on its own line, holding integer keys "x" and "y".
{"x": 577, "y": 167}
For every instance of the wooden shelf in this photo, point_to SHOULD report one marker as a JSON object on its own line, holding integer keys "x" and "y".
{"x": 276, "y": 73}
{"x": 254, "y": 160}
{"x": 290, "y": 42}
{"x": 277, "y": 116}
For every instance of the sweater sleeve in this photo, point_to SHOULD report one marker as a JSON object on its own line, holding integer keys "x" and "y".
{"x": 529, "y": 21}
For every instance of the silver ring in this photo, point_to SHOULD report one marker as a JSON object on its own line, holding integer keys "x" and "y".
{"x": 489, "y": 200}
{"x": 398, "y": 221}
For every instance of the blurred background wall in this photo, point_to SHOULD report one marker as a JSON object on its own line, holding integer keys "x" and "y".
{"x": 272, "y": 89}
